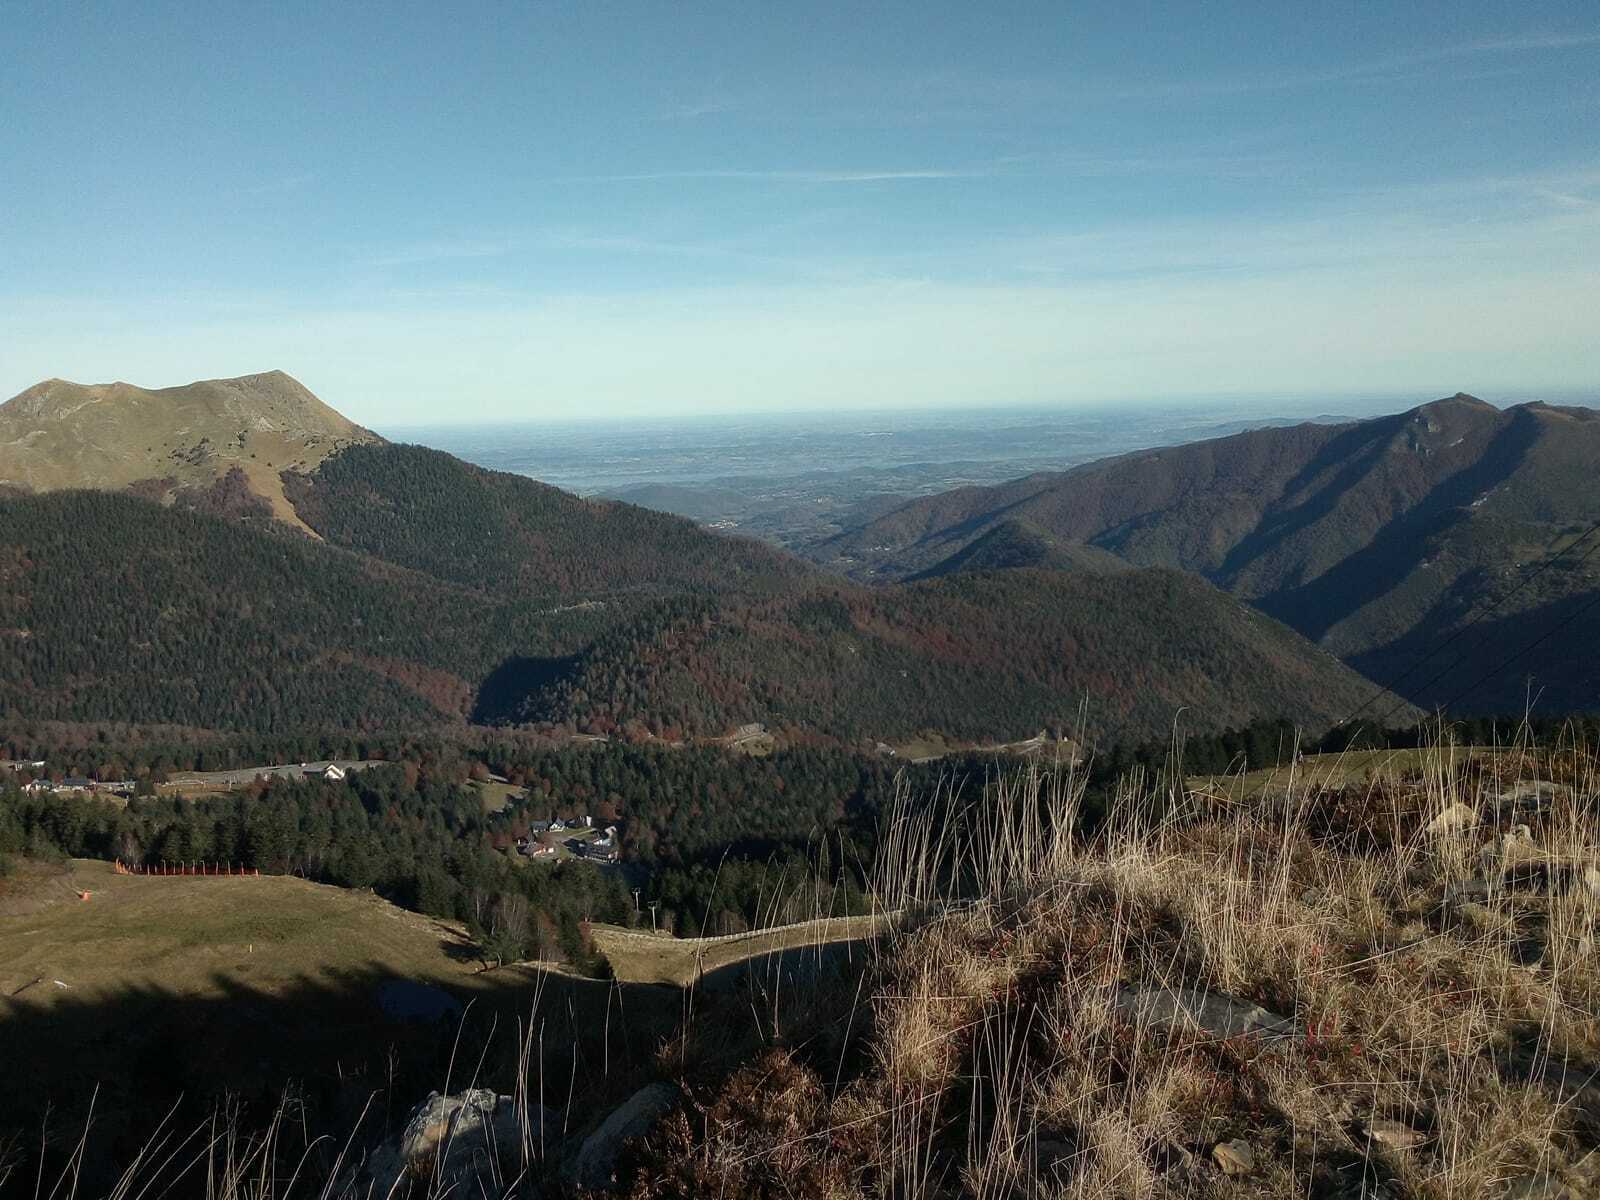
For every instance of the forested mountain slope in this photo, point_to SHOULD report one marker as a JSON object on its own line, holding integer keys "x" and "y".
{"x": 113, "y": 608}
{"x": 430, "y": 511}
{"x": 1379, "y": 539}
{"x": 1016, "y": 542}
{"x": 976, "y": 656}
{"x": 431, "y": 592}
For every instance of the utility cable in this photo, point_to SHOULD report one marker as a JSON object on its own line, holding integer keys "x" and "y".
{"x": 1481, "y": 616}
{"x": 1531, "y": 646}
{"x": 1528, "y": 649}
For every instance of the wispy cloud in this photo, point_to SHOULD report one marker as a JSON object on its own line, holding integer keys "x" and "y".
{"x": 441, "y": 251}
{"x": 283, "y": 183}
{"x": 1374, "y": 68}
{"x": 710, "y": 106}
{"x": 871, "y": 175}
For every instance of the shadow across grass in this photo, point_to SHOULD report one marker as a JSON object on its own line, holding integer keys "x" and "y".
{"x": 322, "y": 1051}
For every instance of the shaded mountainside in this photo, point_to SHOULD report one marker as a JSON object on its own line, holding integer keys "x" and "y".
{"x": 973, "y": 656}
{"x": 112, "y": 608}
{"x": 1017, "y": 543}
{"x": 168, "y": 441}
{"x": 115, "y": 609}
{"x": 430, "y": 511}
{"x": 1379, "y": 539}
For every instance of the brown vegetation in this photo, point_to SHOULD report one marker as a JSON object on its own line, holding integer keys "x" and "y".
{"x": 1316, "y": 996}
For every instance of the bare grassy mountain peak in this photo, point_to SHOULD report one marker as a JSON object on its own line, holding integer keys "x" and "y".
{"x": 225, "y": 439}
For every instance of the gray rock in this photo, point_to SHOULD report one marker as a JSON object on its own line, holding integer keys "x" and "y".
{"x": 1454, "y": 819}
{"x": 459, "y": 1140}
{"x": 1180, "y": 1010}
{"x": 1530, "y": 795}
{"x": 1458, "y": 891}
{"x": 594, "y": 1166}
{"x": 1234, "y": 1158}
{"x": 1540, "y": 1186}
{"x": 1394, "y": 1134}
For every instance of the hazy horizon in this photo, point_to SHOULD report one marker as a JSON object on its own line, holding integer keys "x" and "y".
{"x": 566, "y": 212}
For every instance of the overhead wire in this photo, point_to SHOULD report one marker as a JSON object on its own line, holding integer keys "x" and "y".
{"x": 1482, "y": 615}
{"x": 1529, "y": 648}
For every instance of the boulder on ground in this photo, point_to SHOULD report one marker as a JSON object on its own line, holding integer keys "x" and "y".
{"x": 594, "y": 1165}
{"x": 1234, "y": 1158}
{"x": 461, "y": 1140}
{"x": 1454, "y": 819}
{"x": 1530, "y": 795}
{"x": 1394, "y": 1134}
{"x": 1189, "y": 1010}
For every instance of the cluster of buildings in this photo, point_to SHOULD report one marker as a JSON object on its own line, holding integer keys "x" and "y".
{"x": 331, "y": 772}
{"x": 540, "y": 840}
{"x": 80, "y": 785}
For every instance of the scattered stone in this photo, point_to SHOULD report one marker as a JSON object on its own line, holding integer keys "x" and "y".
{"x": 1460, "y": 891}
{"x": 476, "y": 1132}
{"x": 1530, "y": 795}
{"x": 1234, "y": 1158}
{"x": 1193, "y": 1010}
{"x": 1453, "y": 819}
{"x": 1394, "y": 1134}
{"x": 1540, "y": 1186}
{"x": 594, "y": 1166}
{"x": 1551, "y": 876}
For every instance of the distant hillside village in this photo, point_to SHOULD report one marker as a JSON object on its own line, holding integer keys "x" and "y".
{"x": 40, "y": 780}
{"x": 543, "y": 840}
{"x": 577, "y": 837}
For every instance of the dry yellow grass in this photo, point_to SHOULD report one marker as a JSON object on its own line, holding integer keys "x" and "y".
{"x": 1313, "y": 995}
{"x": 1334, "y": 770}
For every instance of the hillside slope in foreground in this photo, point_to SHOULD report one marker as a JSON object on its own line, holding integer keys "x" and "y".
{"x": 1388, "y": 989}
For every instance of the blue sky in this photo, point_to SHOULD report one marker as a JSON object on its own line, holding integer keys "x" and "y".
{"x": 558, "y": 211}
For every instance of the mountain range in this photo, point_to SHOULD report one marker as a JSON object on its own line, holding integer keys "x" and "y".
{"x": 338, "y": 580}
{"x": 1431, "y": 550}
